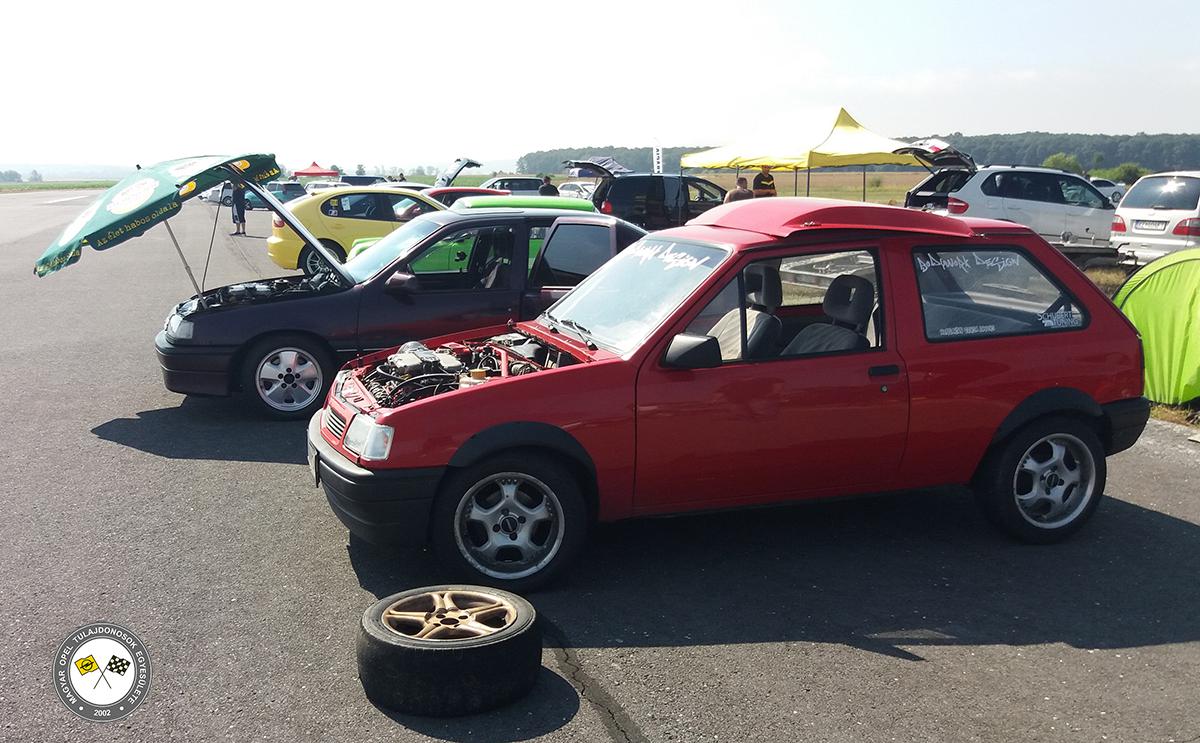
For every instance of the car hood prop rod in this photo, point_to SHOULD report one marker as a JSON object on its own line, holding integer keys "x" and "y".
{"x": 186, "y": 267}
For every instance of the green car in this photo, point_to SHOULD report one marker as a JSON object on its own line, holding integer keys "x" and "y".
{"x": 444, "y": 259}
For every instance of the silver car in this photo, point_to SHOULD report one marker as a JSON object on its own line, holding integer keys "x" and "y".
{"x": 1159, "y": 215}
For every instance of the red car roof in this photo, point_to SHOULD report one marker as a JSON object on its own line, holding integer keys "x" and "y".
{"x": 781, "y": 217}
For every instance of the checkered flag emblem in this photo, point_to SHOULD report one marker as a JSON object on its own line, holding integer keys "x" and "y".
{"x": 118, "y": 665}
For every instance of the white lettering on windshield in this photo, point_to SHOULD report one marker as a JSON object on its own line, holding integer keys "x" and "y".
{"x": 666, "y": 253}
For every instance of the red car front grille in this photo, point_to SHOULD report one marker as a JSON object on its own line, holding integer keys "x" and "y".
{"x": 335, "y": 423}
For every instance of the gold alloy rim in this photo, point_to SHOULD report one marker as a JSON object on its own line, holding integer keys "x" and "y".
{"x": 449, "y": 615}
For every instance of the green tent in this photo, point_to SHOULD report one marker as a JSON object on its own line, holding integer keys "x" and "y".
{"x": 1163, "y": 301}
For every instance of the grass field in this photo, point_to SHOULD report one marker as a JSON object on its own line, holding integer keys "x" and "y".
{"x": 52, "y": 186}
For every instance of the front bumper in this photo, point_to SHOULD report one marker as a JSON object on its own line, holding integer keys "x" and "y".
{"x": 194, "y": 370}
{"x": 385, "y": 507}
{"x": 1126, "y": 421}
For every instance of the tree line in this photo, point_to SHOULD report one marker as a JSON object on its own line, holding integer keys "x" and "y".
{"x": 1095, "y": 153}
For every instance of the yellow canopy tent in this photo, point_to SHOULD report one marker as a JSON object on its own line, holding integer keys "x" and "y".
{"x": 846, "y": 142}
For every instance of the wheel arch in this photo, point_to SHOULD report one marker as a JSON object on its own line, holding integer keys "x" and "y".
{"x": 1052, "y": 401}
{"x": 239, "y": 356}
{"x": 537, "y": 437}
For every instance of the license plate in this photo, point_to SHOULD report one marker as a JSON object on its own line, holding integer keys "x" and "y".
{"x": 314, "y": 465}
{"x": 1149, "y": 224}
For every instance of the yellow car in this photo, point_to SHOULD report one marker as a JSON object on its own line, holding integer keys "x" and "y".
{"x": 339, "y": 216}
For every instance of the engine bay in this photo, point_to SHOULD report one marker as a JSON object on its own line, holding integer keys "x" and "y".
{"x": 415, "y": 371}
{"x": 267, "y": 290}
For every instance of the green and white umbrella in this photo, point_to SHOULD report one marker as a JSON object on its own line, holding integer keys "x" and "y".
{"x": 145, "y": 198}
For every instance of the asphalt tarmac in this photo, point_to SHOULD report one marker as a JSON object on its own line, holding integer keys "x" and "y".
{"x": 195, "y": 524}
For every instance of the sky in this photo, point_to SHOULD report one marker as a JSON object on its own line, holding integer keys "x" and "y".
{"x": 409, "y": 83}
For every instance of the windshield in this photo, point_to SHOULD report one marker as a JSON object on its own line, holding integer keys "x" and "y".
{"x": 380, "y": 255}
{"x": 1163, "y": 192}
{"x": 627, "y": 298}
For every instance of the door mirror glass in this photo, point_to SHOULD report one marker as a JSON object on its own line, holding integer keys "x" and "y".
{"x": 402, "y": 282}
{"x": 690, "y": 351}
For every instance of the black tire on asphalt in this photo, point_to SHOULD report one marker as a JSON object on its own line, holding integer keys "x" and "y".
{"x": 566, "y": 488}
{"x": 449, "y": 677}
{"x": 227, "y": 201}
{"x": 258, "y": 352}
{"x": 994, "y": 484}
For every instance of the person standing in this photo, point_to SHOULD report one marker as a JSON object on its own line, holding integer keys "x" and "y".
{"x": 239, "y": 208}
{"x": 764, "y": 183}
{"x": 547, "y": 188}
{"x": 739, "y": 193}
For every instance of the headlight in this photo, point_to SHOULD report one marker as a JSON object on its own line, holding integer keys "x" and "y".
{"x": 368, "y": 439}
{"x": 178, "y": 328}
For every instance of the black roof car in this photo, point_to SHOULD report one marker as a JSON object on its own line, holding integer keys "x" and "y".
{"x": 279, "y": 340}
{"x": 654, "y": 201}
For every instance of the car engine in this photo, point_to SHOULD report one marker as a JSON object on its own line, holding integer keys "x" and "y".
{"x": 415, "y": 371}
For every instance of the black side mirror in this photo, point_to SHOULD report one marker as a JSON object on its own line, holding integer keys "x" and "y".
{"x": 402, "y": 282}
{"x": 460, "y": 256}
{"x": 689, "y": 351}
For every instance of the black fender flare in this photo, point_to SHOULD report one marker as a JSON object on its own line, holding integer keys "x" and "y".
{"x": 523, "y": 435}
{"x": 1045, "y": 402}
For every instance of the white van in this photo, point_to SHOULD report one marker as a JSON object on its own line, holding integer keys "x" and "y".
{"x": 1159, "y": 215}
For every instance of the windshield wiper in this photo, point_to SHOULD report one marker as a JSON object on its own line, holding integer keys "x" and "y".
{"x": 551, "y": 321}
{"x": 585, "y": 335}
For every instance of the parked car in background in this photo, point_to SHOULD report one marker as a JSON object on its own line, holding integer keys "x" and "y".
{"x": 1112, "y": 191}
{"x": 652, "y": 201}
{"x": 285, "y": 191}
{"x": 338, "y": 217}
{"x": 452, "y": 171}
{"x": 748, "y": 358}
{"x": 1159, "y": 215}
{"x": 577, "y": 189}
{"x": 363, "y": 180}
{"x": 313, "y": 186}
{"x": 1061, "y": 207}
{"x": 517, "y": 185}
{"x": 279, "y": 341}
{"x": 222, "y": 194}
{"x": 450, "y": 194}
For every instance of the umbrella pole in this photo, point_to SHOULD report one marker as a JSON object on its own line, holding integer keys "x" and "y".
{"x": 864, "y": 183}
{"x": 186, "y": 267}
{"x": 795, "y": 183}
{"x": 808, "y": 182}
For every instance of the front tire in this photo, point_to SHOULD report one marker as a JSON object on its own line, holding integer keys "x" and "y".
{"x": 287, "y": 375}
{"x": 227, "y": 201}
{"x": 448, "y": 650}
{"x": 514, "y": 521}
{"x": 1044, "y": 482}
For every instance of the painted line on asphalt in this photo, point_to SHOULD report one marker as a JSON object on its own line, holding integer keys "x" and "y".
{"x": 69, "y": 198}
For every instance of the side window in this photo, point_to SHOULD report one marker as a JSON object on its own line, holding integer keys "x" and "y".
{"x": 475, "y": 259}
{"x": 573, "y": 252}
{"x": 703, "y": 193}
{"x": 992, "y": 185}
{"x": 356, "y": 206}
{"x": 405, "y": 208}
{"x": 1078, "y": 193}
{"x": 985, "y": 293}
{"x": 802, "y": 305}
{"x": 1031, "y": 187}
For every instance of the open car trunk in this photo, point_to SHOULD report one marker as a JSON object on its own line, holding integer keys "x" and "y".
{"x": 450, "y": 173}
{"x": 949, "y": 170}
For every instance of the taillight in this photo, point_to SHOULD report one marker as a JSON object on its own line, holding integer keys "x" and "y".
{"x": 1118, "y": 224}
{"x": 1187, "y": 228}
{"x": 606, "y": 207}
{"x": 957, "y": 206}
{"x": 276, "y": 222}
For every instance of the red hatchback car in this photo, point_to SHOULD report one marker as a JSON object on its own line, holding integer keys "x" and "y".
{"x": 770, "y": 351}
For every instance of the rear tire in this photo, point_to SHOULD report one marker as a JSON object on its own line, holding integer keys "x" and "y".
{"x": 515, "y": 521}
{"x": 1043, "y": 483}
{"x": 480, "y": 648}
{"x": 310, "y": 261}
{"x": 287, "y": 375}
{"x": 227, "y": 201}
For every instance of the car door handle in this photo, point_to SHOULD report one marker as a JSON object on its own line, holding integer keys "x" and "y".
{"x": 887, "y": 370}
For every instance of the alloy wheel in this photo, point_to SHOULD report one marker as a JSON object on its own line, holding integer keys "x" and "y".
{"x": 1054, "y": 481}
{"x": 453, "y": 614}
{"x": 509, "y": 525}
{"x": 289, "y": 379}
